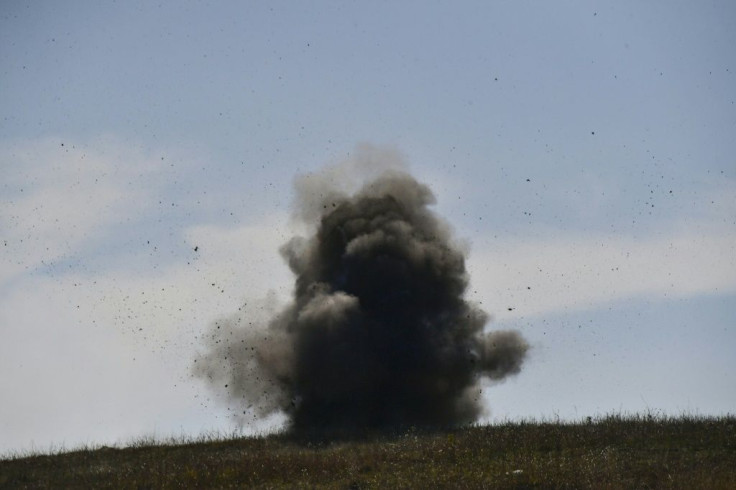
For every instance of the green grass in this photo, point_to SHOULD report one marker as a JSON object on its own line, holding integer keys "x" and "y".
{"x": 611, "y": 452}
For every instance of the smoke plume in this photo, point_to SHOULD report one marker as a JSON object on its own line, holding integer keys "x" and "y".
{"x": 378, "y": 334}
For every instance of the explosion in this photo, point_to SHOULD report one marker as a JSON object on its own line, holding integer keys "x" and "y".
{"x": 378, "y": 334}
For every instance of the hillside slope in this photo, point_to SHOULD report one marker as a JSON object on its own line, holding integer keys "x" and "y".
{"x": 612, "y": 452}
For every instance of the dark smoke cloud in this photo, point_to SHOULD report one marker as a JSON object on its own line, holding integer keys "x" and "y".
{"x": 378, "y": 334}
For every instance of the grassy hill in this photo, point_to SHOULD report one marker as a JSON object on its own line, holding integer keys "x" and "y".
{"x": 611, "y": 452}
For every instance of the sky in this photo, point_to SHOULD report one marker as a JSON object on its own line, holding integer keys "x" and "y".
{"x": 583, "y": 152}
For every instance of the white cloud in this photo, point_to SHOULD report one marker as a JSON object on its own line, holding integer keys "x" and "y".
{"x": 106, "y": 357}
{"x": 584, "y": 271}
{"x": 58, "y": 196}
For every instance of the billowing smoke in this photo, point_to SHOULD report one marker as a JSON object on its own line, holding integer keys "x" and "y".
{"x": 379, "y": 334}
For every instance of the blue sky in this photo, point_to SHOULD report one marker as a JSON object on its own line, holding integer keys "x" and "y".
{"x": 583, "y": 151}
